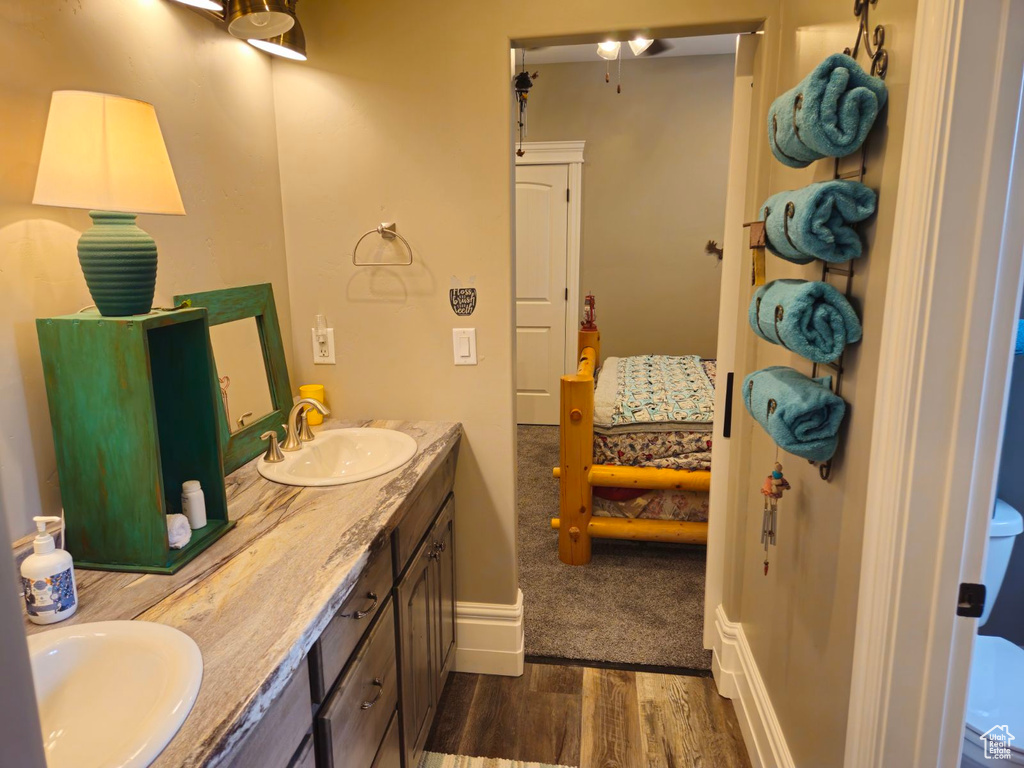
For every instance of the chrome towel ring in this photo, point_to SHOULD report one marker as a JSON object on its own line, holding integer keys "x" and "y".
{"x": 389, "y": 231}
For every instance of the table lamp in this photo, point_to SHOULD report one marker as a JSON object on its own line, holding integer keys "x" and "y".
{"x": 106, "y": 154}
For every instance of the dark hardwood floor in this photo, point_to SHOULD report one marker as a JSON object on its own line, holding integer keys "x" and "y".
{"x": 591, "y": 718}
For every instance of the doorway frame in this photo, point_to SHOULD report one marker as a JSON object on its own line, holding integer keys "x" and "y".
{"x": 733, "y": 262}
{"x": 950, "y": 322}
{"x": 568, "y": 153}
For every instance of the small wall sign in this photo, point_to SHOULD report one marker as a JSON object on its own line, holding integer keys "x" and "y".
{"x": 463, "y": 300}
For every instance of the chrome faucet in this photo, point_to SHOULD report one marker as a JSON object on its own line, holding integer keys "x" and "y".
{"x": 293, "y": 433}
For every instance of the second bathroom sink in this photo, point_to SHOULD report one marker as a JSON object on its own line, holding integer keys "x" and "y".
{"x": 112, "y": 694}
{"x": 339, "y": 456}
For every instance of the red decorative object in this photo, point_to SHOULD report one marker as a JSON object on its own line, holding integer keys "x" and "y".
{"x": 589, "y": 314}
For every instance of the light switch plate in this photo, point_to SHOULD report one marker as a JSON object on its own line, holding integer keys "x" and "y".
{"x": 464, "y": 344}
{"x": 323, "y": 354}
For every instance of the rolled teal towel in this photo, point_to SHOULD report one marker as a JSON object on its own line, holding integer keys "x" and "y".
{"x": 812, "y": 319}
{"x": 828, "y": 114}
{"x": 814, "y": 222}
{"x": 1018, "y": 347}
{"x": 804, "y": 413}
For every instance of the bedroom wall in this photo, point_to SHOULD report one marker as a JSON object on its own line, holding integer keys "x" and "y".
{"x": 654, "y": 179}
{"x": 214, "y": 99}
{"x": 799, "y": 618}
{"x": 403, "y": 113}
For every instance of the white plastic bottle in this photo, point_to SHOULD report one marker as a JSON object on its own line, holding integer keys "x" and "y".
{"x": 48, "y": 579}
{"x": 193, "y": 504}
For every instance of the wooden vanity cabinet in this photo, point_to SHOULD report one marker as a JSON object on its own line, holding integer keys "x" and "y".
{"x": 390, "y": 753}
{"x": 374, "y": 676}
{"x": 405, "y": 638}
{"x": 443, "y": 535}
{"x": 425, "y": 599}
{"x": 353, "y": 723}
{"x": 284, "y": 727}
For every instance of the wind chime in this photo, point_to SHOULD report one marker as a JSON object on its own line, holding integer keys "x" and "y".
{"x": 521, "y": 84}
{"x": 772, "y": 489}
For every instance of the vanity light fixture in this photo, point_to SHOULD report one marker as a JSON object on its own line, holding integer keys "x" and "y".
{"x": 206, "y": 5}
{"x": 639, "y": 45}
{"x": 260, "y": 19}
{"x": 272, "y": 26}
{"x": 290, "y": 45}
{"x": 609, "y": 49}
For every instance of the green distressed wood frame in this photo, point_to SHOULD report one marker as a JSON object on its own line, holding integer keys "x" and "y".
{"x": 133, "y": 406}
{"x": 232, "y": 304}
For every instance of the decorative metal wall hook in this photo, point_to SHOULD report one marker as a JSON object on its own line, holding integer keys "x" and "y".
{"x": 879, "y": 56}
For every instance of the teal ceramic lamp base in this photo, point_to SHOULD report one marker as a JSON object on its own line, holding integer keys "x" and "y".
{"x": 119, "y": 263}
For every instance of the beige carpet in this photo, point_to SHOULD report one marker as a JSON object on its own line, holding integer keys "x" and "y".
{"x": 436, "y": 760}
{"x": 634, "y": 603}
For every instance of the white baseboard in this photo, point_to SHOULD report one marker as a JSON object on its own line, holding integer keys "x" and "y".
{"x": 738, "y": 678}
{"x": 489, "y": 639}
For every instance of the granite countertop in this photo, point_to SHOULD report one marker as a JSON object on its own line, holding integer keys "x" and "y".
{"x": 256, "y": 600}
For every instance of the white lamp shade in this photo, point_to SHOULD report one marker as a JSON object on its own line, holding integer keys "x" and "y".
{"x": 608, "y": 50}
{"x": 639, "y": 45}
{"x": 105, "y": 153}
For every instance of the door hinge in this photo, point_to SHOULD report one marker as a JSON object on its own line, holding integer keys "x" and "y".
{"x": 727, "y": 421}
{"x": 971, "y": 601}
{"x": 567, "y": 195}
{"x": 566, "y": 294}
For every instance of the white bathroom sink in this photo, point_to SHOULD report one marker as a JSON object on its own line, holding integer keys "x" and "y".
{"x": 339, "y": 456}
{"x": 112, "y": 693}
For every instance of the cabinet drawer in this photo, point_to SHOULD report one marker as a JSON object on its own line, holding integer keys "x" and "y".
{"x": 353, "y": 722}
{"x": 273, "y": 742}
{"x": 422, "y": 511}
{"x": 331, "y": 652}
{"x": 390, "y": 753}
{"x": 305, "y": 757}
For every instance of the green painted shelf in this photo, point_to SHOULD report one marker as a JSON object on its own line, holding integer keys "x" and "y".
{"x": 133, "y": 406}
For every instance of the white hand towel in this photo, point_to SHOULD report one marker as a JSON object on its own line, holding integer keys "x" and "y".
{"x": 179, "y": 532}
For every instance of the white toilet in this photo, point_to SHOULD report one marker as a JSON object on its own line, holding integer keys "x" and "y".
{"x": 996, "y": 696}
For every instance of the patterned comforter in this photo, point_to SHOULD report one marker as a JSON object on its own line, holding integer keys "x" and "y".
{"x": 690, "y": 506}
{"x": 655, "y": 411}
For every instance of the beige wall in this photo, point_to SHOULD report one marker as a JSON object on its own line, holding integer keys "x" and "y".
{"x": 654, "y": 180}
{"x": 214, "y": 99}
{"x": 800, "y": 618}
{"x": 413, "y": 126}
{"x": 402, "y": 113}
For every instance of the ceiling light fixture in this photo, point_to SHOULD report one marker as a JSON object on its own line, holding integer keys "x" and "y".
{"x": 206, "y": 5}
{"x": 608, "y": 50}
{"x": 639, "y": 45}
{"x": 260, "y": 19}
{"x": 290, "y": 45}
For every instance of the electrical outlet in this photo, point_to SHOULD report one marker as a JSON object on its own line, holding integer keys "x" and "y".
{"x": 323, "y": 346}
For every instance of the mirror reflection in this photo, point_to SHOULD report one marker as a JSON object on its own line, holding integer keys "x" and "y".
{"x": 241, "y": 372}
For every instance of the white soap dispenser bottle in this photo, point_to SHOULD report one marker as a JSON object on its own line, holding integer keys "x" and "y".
{"x": 48, "y": 578}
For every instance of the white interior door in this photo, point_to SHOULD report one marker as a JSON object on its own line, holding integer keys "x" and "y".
{"x": 542, "y": 213}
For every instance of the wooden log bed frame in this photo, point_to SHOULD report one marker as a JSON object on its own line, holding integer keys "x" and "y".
{"x": 577, "y": 474}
